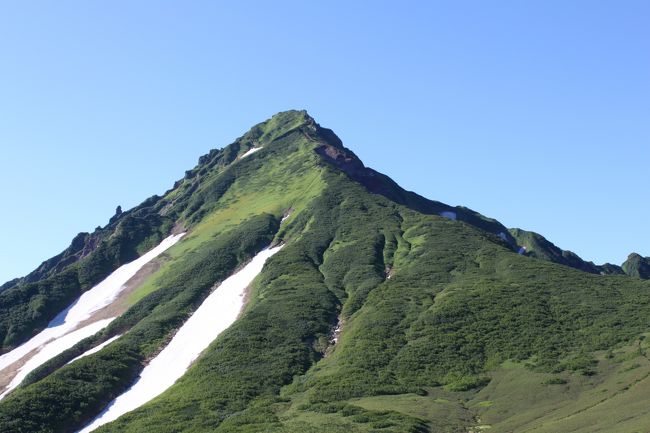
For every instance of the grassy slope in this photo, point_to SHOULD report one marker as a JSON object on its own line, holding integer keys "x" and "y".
{"x": 457, "y": 306}
{"x": 455, "y": 309}
{"x": 260, "y": 191}
{"x": 68, "y": 398}
{"x": 460, "y": 308}
{"x": 28, "y": 304}
{"x": 613, "y": 400}
{"x": 276, "y": 188}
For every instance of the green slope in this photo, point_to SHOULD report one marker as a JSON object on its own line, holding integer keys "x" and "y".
{"x": 444, "y": 327}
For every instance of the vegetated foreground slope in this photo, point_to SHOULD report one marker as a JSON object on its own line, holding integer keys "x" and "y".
{"x": 81, "y": 319}
{"x": 443, "y": 326}
{"x": 216, "y": 314}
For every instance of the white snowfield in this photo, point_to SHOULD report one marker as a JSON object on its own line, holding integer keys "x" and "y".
{"x": 53, "y": 348}
{"x": 62, "y": 333}
{"x": 448, "y": 214}
{"x": 250, "y": 151}
{"x": 219, "y": 310}
{"x": 96, "y": 348}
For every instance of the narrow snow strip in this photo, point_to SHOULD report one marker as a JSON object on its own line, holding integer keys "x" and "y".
{"x": 503, "y": 236}
{"x": 79, "y": 311}
{"x": 96, "y": 348}
{"x": 215, "y": 315}
{"x": 250, "y": 151}
{"x": 53, "y": 348}
{"x": 91, "y": 301}
{"x": 105, "y": 292}
{"x": 284, "y": 218}
{"x": 448, "y": 214}
{"x": 336, "y": 334}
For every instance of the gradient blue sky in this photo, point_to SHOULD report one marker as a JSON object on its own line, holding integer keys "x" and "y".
{"x": 535, "y": 113}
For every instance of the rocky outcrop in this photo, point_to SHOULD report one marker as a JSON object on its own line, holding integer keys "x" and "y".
{"x": 637, "y": 266}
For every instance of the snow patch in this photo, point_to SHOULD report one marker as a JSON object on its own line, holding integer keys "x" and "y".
{"x": 52, "y": 349}
{"x": 250, "y": 151}
{"x": 335, "y": 334}
{"x": 93, "y": 300}
{"x": 448, "y": 214}
{"x": 286, "y": 216}
{"x": 96, "y": 348}
{"x": 503, "y": 236}
{"x": 213, "y": 316}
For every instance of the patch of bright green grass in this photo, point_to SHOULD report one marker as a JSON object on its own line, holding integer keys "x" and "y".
{"x": 245, "y": 198}
{"x": 612, "y": 400}
{"x": 443, "y": 415}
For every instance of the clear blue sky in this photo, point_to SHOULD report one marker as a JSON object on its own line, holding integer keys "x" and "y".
{"x": 535, "y": 113}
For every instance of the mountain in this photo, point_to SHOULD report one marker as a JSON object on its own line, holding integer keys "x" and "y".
{"x": 365, "y": 308}
{"x": 539, "y": 247}
{"x": 637, "y": 266}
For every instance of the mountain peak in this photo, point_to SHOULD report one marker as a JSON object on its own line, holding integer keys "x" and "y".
{"x": 378, "y": 295}
{"x": 292, "y": 115}
{"x": 637, "y": 266}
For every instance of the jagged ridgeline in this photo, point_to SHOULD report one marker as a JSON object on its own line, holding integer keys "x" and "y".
{"x": 382, "y": 312}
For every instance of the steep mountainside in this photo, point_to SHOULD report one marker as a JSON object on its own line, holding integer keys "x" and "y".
{"x": 382, "y": 312}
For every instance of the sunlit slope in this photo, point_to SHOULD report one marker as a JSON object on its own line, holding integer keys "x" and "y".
{"x": 457, "y": 305}
{"x": 287, "y": 146}
{"x": 444, "y": 327}
{"x": 28, "y": 304}
{"x": 245, "y": 200}
{"x": 85, "y": 316}
{"x": 215, "y": 314}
